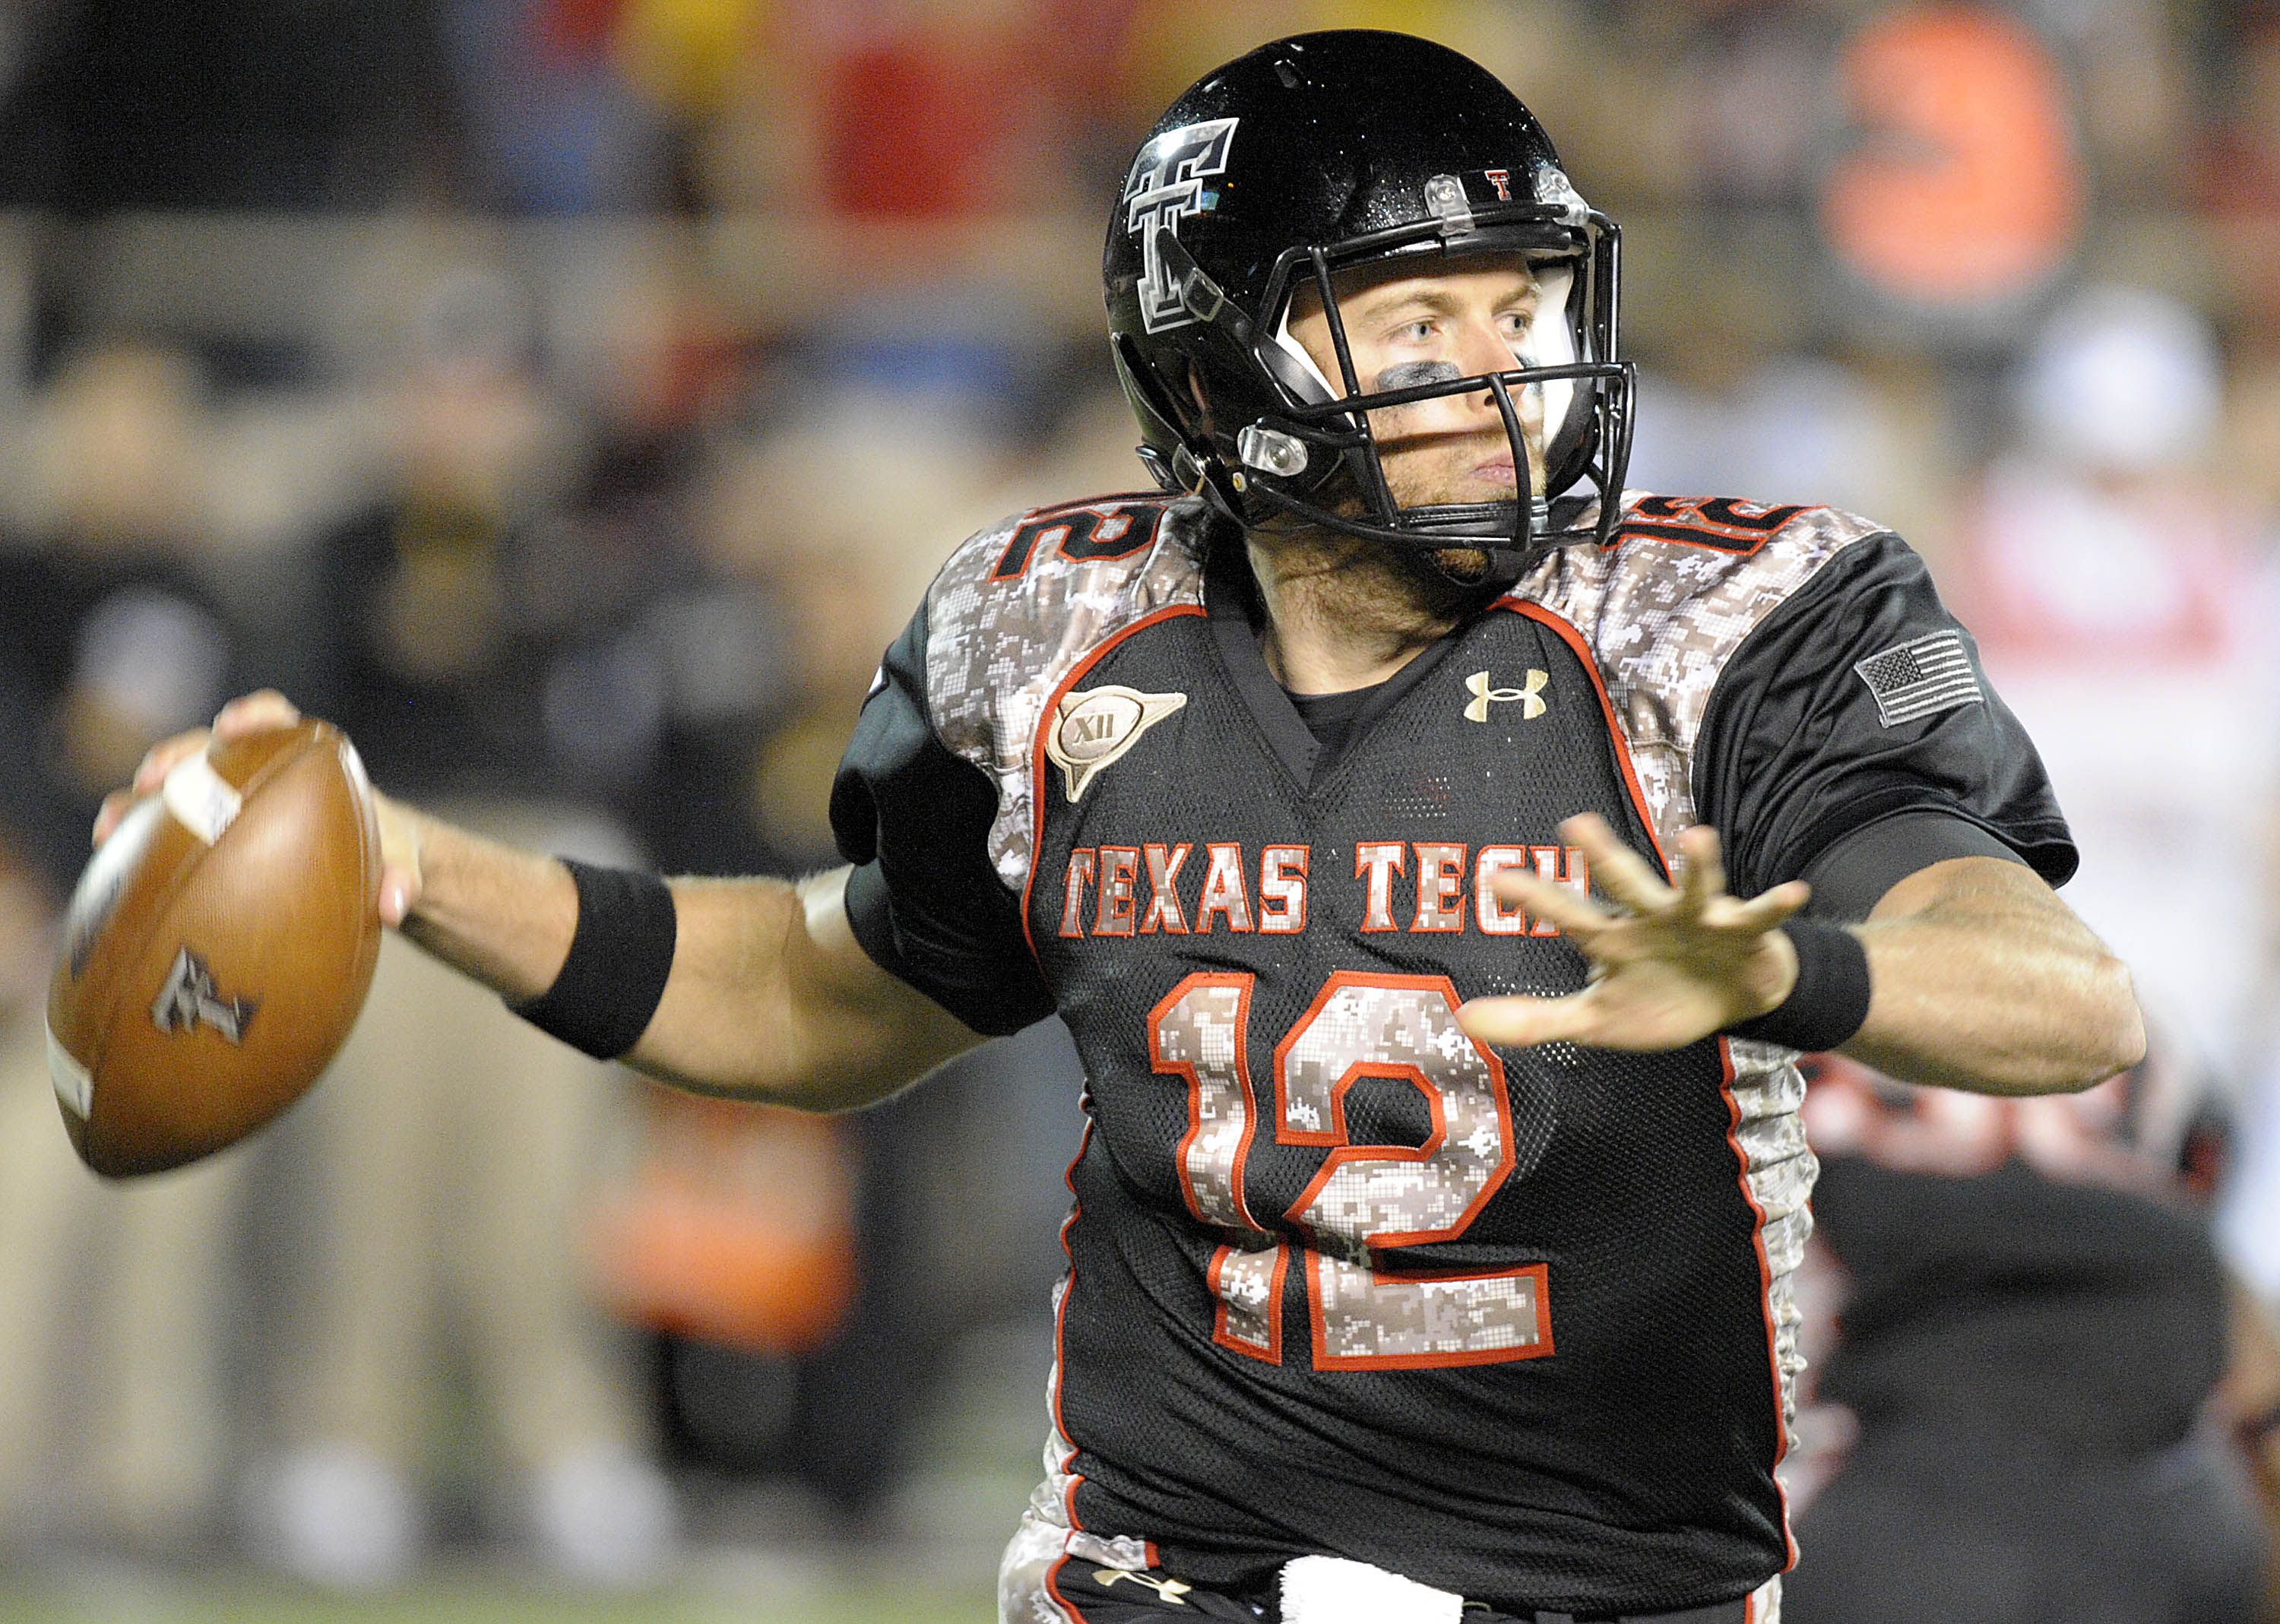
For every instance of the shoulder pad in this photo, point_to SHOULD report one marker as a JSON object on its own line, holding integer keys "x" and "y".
{"x": 1069, "y": 537}
{"x": 1735, "y": 526}
{"x": 1719, "y": 556}
{"x": 1664, "y": 606}
{"x": 1019, "y": 605}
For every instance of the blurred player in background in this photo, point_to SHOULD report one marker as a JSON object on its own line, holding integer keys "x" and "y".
{"x": 2037, "y": 1396}
{"x": 112, "y": 1307}
{"x": 1444, "y": 1184}
{"x": 2119, "y": 592}
{"x": 439, "y": 648}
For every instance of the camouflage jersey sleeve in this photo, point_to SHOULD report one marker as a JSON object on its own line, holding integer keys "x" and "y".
{"x": 935, "y": 803}
{"x": 913, "y": 818}
{"x": 1854, "y": 723}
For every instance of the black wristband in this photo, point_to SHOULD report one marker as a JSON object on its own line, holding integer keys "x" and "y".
{"x": 608, "y": 988}
{"x": 1830, "y": 999}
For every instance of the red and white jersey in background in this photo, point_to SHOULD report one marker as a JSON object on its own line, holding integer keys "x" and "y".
{"x": 2130, "y": 627}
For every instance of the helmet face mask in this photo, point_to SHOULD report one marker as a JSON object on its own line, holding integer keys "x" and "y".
{"x": 1378, "y": 154}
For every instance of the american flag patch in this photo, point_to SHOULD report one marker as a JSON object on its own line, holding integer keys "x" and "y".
{"x": 1921, "y": 678}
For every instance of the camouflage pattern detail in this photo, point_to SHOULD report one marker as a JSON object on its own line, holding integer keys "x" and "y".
{"x": 1041, "y": 1539}
{"x": 1661, "y": 618}
{"x": 1405, "y": 1026}
{"x": 1368, "y": 1319}
{"x": 1248, "y": 1285}
{"x": 1037, "y": 1544}
{"x": 999, "y": 646}
{"x": 1395, "y": 1026}
{"x": 1768, "y": 1092}
{"x": 1200, "y": 1032}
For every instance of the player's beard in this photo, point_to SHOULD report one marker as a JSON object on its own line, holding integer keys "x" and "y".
{"x": 1442, "y": 584}
{"x": 1446, "y": 583}
{"x": 1442, "y": 470}
{"x": 1359, "y": 586}
{"x": 1362, "y": 583}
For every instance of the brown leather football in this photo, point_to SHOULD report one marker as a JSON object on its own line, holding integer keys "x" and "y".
{"x": 217, "y": 950}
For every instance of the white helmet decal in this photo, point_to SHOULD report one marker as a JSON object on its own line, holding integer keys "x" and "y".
{"x": 1168, "y": 181}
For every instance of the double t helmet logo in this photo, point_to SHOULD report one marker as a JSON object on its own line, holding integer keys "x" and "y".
{"x": 1168, "y": 181}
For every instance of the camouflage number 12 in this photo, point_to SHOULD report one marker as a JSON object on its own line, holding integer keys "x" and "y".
{"x": 1364, "y": 1197}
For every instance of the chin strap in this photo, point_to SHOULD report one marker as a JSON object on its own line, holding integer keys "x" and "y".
{"x": 1468, "y": 525}
{"x": 1469, "y": 521}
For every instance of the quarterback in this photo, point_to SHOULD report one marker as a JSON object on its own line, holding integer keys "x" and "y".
{"x": 1440, "y": 854}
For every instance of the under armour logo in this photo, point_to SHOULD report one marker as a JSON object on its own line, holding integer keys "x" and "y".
{"x": 190, "y": 998}
{"x": 1167, "y": 182}
{"x": 1483, "y": 696}
{"x": 1170, "y": 1589}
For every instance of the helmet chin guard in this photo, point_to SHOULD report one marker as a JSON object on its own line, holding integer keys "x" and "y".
{"x": 1313, "y": 156}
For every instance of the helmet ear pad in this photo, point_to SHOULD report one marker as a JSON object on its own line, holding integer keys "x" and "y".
{"x": 1295, "y": 376}
{"x": 1571, "y": 450}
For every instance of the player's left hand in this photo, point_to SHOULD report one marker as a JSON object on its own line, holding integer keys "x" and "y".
{"x": 1668, "y": 964}
{"x": 242, "y": 718}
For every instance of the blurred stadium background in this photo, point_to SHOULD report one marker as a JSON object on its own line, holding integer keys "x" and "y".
{"x": 571, "y": 397}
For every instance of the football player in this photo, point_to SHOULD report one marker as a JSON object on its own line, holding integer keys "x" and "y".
{"x": 2030, "y": 1287}
{"x": 1439, "y": 855}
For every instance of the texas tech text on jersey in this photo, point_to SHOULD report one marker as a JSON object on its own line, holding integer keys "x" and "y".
{"x": 1437, "y": 886}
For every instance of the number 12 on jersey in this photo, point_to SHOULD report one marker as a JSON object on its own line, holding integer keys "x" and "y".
{"x": 1365, "y": 1196}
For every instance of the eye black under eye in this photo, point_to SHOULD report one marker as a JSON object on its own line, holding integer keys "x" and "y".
{"x": 1403, "y": 375}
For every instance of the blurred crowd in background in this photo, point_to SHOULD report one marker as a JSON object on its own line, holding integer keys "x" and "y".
{"x": 572, "y": 398}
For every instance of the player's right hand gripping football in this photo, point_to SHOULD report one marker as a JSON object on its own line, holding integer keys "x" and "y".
{"x": 258, "y": 712}
{"x": 1668, "y": 964}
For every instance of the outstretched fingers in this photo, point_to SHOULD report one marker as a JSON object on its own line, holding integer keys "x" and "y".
{"x": 1701, "y": 871}
{"x": 1576, "y": 915}
{"x": 1517, "y": 1021}
{"x": 1616, "y": 869}
{"x": 1767, "y": 909}
{"x": 1669, "y": 963}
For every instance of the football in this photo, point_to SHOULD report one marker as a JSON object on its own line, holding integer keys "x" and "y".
{"x": 217, "y": 949}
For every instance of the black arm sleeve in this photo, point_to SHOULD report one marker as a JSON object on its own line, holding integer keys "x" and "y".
{"x": 1851, "y": 877}
{"x": 914, "y": 821}
{"x": 1795, "y": 758}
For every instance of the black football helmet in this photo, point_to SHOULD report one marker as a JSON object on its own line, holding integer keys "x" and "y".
{"x": 1306, "y": 158}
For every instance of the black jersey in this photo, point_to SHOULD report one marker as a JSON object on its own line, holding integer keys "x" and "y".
{"x": 1514, "y": 1323}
